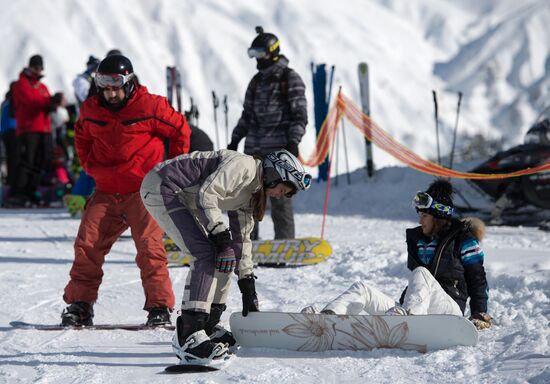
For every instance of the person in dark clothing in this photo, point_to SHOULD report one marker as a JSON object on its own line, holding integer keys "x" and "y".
{"x": 7, "y": 130}
{"x": 274, "y": 116}
{"x": 199, "y": 140}
{"x": 446, "y": 261}
{"x": 33, "y": 105}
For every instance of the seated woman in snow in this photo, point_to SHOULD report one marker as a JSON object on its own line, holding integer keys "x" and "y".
{"x": 446, "y": 261}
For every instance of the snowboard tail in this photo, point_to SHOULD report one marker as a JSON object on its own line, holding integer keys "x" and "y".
{"x": 179, "y": 368}
{"x": 97, "y": 327}
{"x": 281, "y": 252}
{"x": 321, "y": 332}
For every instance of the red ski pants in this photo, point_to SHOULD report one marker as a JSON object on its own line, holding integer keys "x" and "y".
{"x": 105, "y": 218}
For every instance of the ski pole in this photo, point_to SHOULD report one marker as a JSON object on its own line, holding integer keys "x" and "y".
{"x": 346, "y": 151}
{"x": 327, "y": 189}
{"x": 225, "y": 111}
{"x": 216, "y": 104}
{"x": 436, "y": 128}
{"x": 456, "y": 129}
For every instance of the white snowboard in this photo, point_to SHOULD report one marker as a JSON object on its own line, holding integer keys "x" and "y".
{"x": 319, "y": 332}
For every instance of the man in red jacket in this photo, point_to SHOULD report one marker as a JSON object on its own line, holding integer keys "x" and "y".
{"x": 33, "y": 104}
{"x": 119, "y": 139}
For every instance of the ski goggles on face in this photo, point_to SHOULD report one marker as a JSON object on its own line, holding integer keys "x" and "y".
{"x": 108, "y": 80}
{"x": 424, "y": 201}
{"x": 257, "y": 53}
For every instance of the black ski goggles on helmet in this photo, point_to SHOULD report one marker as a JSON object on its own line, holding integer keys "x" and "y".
{"x": 112, "y": 80}
{"x": 424, "y": 201}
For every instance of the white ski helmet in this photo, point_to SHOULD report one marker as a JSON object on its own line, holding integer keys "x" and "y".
{"x": 280, "y": 166}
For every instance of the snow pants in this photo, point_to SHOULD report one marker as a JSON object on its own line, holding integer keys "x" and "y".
{"x": 35, "y": 158}
{"x": 105, "y": 218}
{"x": 283, "y": 219}
{"x": 424, "y": 296}
{"x": 204, "y": 285}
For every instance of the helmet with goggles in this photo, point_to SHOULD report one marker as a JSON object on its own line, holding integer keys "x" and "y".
{"x": 114, "y": 71}
{"x": 264, "y": 45}
{"x": 281, "y": 166}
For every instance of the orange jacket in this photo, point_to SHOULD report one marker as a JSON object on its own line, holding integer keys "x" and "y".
{"x": 118, "y": 148}
{"x": 31, "y": 99}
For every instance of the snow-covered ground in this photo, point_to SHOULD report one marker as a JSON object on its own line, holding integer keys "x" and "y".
{"x": 365, "y": 226}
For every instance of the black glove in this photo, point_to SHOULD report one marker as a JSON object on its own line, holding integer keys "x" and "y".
{"x": 292, "y": 147}
{"x": 233, "y": 145}
{"x": 481, "y": 320}
{"x": 248, "y": 290}
{"x": 225, "y": 255}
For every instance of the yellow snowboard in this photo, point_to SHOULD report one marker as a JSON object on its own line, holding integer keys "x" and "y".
{"x": 281, "y": 252}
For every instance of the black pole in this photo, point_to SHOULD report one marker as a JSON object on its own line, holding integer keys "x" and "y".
{"x": 225, "y": 111}
{"x": 437, "y": 128}
{"x": 455, "y": 131}
{"x": 216, "y": 104}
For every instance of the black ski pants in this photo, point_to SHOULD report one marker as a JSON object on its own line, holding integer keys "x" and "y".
{"x": 36, "y": 150}
{"x": 12, "y": 156}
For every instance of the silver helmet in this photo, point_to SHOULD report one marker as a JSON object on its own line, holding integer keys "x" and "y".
{"x": 280, "y": 166}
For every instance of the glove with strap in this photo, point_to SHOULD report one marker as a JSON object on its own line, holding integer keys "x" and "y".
{"x": 248, "y": 290}
{"x": 225, "y": 255}
{"x": 481, "y": 320}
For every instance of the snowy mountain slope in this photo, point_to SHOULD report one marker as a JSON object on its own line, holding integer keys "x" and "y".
{"x": 411, "y": 48}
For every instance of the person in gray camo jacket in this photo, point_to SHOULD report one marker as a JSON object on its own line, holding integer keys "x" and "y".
{"x": 274, "y": 116}
{"x": 187, "y": 196}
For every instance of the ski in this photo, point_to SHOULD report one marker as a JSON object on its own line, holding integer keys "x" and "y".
{"x": 363, "y": 71}
{"x": 178, "y": 88}
{"x": 170, "y": 84}
{"x": 96, "y": 327}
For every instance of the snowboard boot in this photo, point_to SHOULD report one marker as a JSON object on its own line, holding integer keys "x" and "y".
{"x": 217, "y": 333}
{"x": 191, "y": 343}
{"x": 158, "y": 316}
{"x": 77, "y": 314}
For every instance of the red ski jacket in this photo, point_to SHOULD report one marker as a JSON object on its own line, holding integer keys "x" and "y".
{"x": 31, "y": 99}
{"x": 118, "y": 148}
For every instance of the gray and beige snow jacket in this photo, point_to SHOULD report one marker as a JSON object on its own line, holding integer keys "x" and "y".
{"x": 209, "y": 183}
{"x": 274, "y": 111}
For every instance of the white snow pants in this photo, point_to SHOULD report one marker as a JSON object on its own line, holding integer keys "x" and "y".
{"x": 424, "y": 296}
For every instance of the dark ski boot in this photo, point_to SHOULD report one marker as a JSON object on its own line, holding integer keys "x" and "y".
{"x": 77, "y": 314}
{"x": 158, "y": 316}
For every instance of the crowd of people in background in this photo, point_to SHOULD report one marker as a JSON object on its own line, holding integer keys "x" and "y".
{"x": 39, "y": 166}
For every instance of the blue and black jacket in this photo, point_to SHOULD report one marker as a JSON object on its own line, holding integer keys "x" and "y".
{"x": 455, "y": 260}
